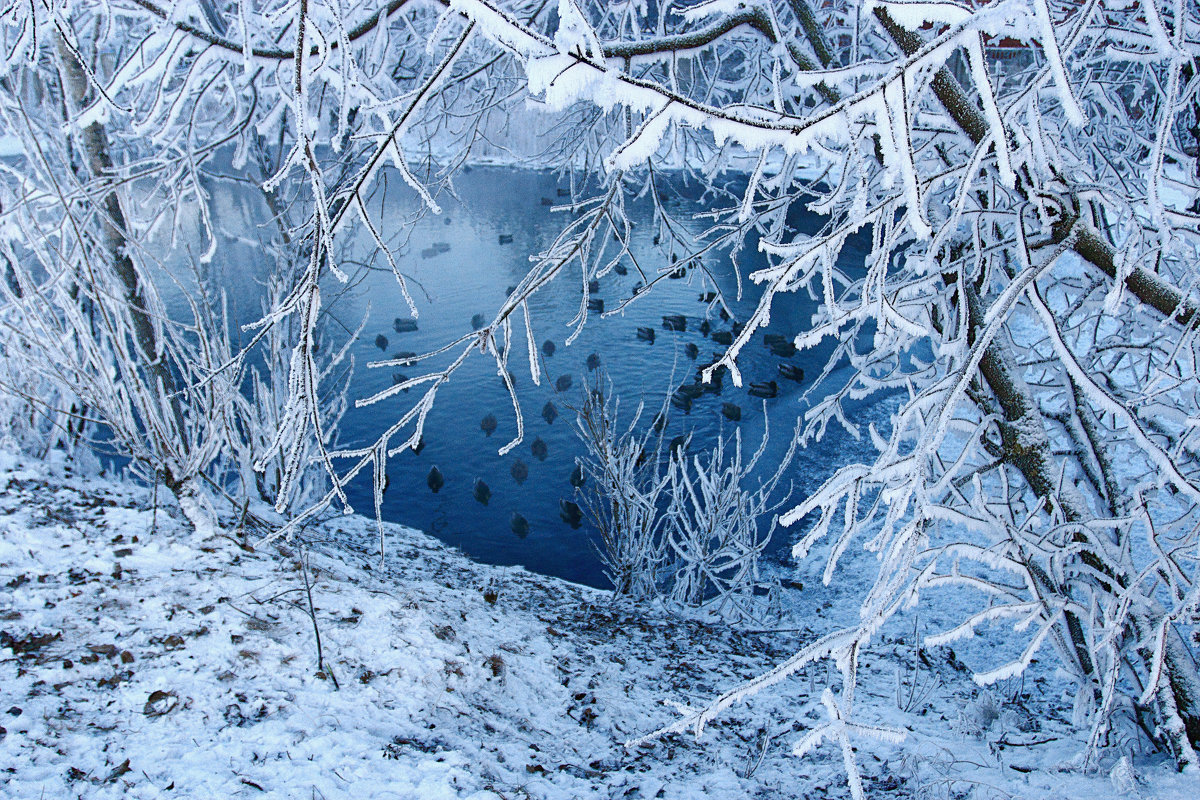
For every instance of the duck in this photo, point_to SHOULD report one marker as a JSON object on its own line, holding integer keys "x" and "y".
{"x": 692, "y": 350}
{"x": 570, "y": 513}
{"x": 548, "y": 348}
{"x": 593, "y": 362}
{"x": 477, "y": 322}
{"x": 621, "y": 269}
{"x": 549, "y": 412}
{"x": 791, "y": 372}
{"x": 520, "y": 471}
{"x": 646, "y": 334}
{"x": 715, "y": 383}
{"x": 519, "y": 525}
{"x": 481, "y": 492}
{"x": 539, "y": 449}
{"x": 434, "y": 480}
{"x": 488, "y": 425}
{"x": 381, "y": 342}
{"x": 784, "y": 349}
{"x": 595, "y": 304}
{"x": 506, "y": 238}
{"x": 723, "y": 337}
{"x": 402, "y": 325}
{"x": 768, "y": 389}
{"x": 674, "y": 322}
{"x": 732, "y": 411}
{"x": 563, "y": 383}
{"x": 577, "y": 477}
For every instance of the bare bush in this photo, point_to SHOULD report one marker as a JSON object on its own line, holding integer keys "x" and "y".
{"x": 677, "y": 525}
{"x": 627, "y": 489}
{"x": 713, "y": 529}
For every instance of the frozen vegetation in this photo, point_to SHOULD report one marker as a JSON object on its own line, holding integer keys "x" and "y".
{"x": 993, "y": 206}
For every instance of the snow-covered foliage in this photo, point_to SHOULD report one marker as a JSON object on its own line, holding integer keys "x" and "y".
{"x": 1026, "y": 172}
{"x": 713, "y": 529}
{"x": 675, "y": 524}
{"x": 264, "y": 408}
{"x": 626, "y": 493}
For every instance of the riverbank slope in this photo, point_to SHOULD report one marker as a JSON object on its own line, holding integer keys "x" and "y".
{"x": 141, "y": 659}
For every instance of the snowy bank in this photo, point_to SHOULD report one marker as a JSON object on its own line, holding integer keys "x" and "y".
{"x": 138, "y": 660}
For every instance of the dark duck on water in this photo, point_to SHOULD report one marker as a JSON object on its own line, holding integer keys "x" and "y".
{"x": 434, "y": 480}
{"x": 570, "y": 513}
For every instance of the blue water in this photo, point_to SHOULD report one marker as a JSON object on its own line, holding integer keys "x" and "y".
{"x": 462, "y": 269}
{"x": 458, "y": 267}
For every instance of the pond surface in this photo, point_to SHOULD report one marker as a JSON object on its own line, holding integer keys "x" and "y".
{"x": 461, "y": 263}
{"x": 464, "y": 260}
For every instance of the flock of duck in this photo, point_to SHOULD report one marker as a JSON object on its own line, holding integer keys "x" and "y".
{"x": 685, "y": 395}
{"x": 682, "y": 398}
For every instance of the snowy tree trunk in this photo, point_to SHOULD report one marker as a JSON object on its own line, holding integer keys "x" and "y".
{"x": 93, "y": 141}
{"x": 1027, "y": 445}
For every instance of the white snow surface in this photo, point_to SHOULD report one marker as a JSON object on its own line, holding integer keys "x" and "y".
{"x": 141, "y": 659}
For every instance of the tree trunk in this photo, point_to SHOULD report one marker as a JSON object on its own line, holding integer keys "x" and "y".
{"x": 93, "y": 140}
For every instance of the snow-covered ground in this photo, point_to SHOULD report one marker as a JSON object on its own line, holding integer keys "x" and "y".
{"x": 138, "y": 659}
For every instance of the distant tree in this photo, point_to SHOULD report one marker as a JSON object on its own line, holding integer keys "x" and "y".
{"x": 1026, "y": 169}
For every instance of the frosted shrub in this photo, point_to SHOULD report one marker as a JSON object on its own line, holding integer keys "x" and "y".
{"x": 713, "y": 529}
{"x": 676, "y": 524}
{"x": 626, "y": 489}
{"x": 289, "y": 479}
